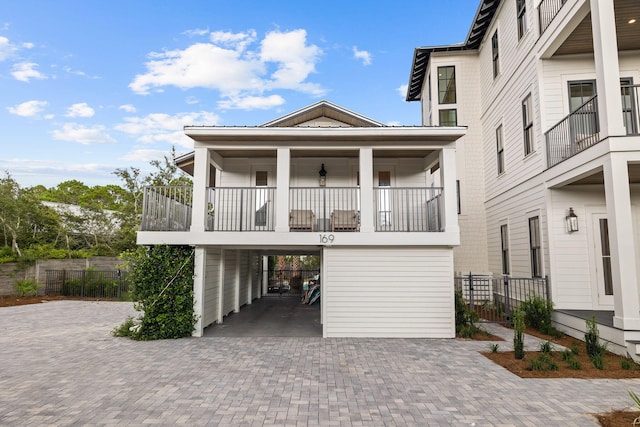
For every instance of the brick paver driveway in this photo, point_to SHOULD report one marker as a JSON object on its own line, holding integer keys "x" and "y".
{"x": 59, "y": 365}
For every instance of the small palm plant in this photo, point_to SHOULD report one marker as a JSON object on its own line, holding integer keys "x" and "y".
{"x": 636, "y": 400}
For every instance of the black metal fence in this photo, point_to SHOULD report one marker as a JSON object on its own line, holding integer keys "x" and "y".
{"x": 87, "y": 284}
{"x": 494, "y": 298}
{"x": 289, "y": 282}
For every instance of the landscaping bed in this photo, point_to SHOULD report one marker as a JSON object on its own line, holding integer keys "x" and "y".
{"x": 10, "y": 301}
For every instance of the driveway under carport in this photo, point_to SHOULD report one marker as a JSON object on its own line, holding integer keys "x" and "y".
{"x": 272, "y": 316}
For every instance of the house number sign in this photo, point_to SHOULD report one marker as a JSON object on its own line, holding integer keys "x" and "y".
{"x": 326, "y": 238}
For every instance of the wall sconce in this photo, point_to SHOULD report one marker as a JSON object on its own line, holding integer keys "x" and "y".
{"x": 572, "y": 221}
{"x": 323, "y": 176}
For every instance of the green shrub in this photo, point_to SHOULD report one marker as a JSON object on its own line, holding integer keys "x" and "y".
{"x": 598, "y": 361}
{"x": 493, "y": 348}
{"x": 26, "y": 287}
{"x": 546, "y": 347}
{"x": 161, "y": 283}
{"x": 125, "y": 329}
{"x": 592, "y": 338}
{"x": 628, "y": 364}
{"x": 537, "y": 314}
{"x": 575, "y": 348}
{"x": 464, "y": 316}
{"x": 536, "y": 364}
{"x": 567, "y": 355}
{"x": 574, "y": 364}
{"x": 518, "y": 334}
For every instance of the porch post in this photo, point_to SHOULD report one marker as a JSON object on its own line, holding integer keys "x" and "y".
{"x": 199, "y": 269}
{"x": 282, "y": 191}
{"x": 448, "y": 180}
{"x": 366, "y": 190}
{"x": 623, "y": 255}
{"x": 236, "y": 282}
{"x": 265, "y": 274}
{"x": 252, "y": 267}
{"x": 605, "y": 51}
{"x": 222, "y": 283}
{"x": 200, "y": 182}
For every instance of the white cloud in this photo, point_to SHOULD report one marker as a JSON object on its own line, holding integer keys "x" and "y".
{"x": 192, "y": 100}
{"x": 196, "y": 32}
{"x": 28, "y": 45}
{"x": 28, "y": 109}
{"x": 283, "y": 60}
{"x": 160, "y": 127}
{"x": 6, "y": 48}
{"x": 24, "y": 71}
{"x": 251, "y": 102}
{"x": 86, "y": 135}
{"x": 402, "y": 90}
{"x": 129, "y": 108}
{"x": 394, "y": 123}
{"x": 362, "y": 55}
{"x": 80, "y": 110}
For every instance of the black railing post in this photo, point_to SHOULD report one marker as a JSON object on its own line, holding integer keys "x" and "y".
{"x": 507, "y": 299}
{"x": 119, "y": 282}
{"x": 547, "y": 288}
{"x": 471, "y": 291}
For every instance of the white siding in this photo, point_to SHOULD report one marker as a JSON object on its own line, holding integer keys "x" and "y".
{"x": 388, "y": 292}
{"x": 211, "y": 286}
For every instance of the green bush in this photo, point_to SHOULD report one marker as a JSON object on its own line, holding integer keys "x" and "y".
{"x": 627, "y": 364}
{"x": 537, "y": 314}
{"x": 125, "y": 329}
{"x": 493, "y": 348}
{"x": 26, "y": 287}
{"x": 574, "y": 364}
{"x": 592, "y": 338}
{"x": 546, "y": 347}
{"x": 465, "y": 318}
{"x": 518, "y": 334}
{"x": 161, "y": 283}
{"x": 598, "y": 361}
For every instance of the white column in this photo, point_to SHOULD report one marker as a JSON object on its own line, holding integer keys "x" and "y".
{"x": 623, "y": 254}
{"x": 265, "y": 275}
{"x": 221, "y": 287}
{"x": 236, "y": 284}
{"x": 251, "y": 278}
{"x": 282, "y": 191}
{"x": 605, "y": 51}
{"x": 200, "y": 183}
{"x": 199, "y": 267}
{"x": 366, "y": 190}
{"x": 449, "y": 198}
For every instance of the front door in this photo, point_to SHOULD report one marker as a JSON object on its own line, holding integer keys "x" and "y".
{"x": 602, "y": 260}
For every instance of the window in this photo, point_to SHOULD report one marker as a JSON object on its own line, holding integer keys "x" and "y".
{"x": 606, "y": 256}
{"x": 448, "y": 117}
{"x": 447, "y": 85}
{"x": 504, "y": 238}
{"x": 580, "y": 92}
{"x": 495, "y": 56}
{"x": 527, "y": 125}
{"x": 534, "y": 246}
{"x": 500, "y": 150}
{"x": 521, "y": 8}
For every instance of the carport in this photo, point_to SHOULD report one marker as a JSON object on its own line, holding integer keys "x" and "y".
{"x": 234, "y": 295}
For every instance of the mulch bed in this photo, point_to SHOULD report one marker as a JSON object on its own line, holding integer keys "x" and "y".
{"x": 10, "y": 301}
{"x": 617, "y": 418}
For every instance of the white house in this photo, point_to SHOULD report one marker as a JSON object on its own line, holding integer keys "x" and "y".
{"x": 547, "y": 90}
{"x": 377, "y": 203}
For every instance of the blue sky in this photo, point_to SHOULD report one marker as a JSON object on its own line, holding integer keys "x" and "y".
{"x": 90, "y": 86}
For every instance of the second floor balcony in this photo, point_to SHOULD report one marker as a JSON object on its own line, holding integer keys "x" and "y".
{"x": 311, "y": 209}
{"x": 581, "y": 129}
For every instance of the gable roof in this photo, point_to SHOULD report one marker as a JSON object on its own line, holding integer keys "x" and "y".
{"x": 481, "y": 21}
{"x": 323, "y": 109}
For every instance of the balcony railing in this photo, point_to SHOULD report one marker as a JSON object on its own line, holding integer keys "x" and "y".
{"x": 631, "y": 108}
{"x": 547, "y": 10}
{"x": 407, "y": 209}
{"x": 241, "y": 209}
{"x": 573, "y": 134}
{"x": 166, "y": 209}
{"x": 324, "y": 209}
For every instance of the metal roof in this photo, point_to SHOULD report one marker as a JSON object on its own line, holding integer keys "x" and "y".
{"x": 481, "y": 21}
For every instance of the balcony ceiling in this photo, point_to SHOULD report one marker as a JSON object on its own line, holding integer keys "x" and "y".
{"x": 347, "y": 153}
{"x": 598, "y": 177}
{"x": 581, "y": 39}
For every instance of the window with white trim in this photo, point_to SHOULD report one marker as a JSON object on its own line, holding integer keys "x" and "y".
{"x": 521, "y": 11}
{"x": 527, "y": 125}
{"x": 500, "y": 150}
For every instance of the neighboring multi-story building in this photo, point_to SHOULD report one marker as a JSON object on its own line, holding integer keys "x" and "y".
{"x": 376, "y": 203}
{"x": 549, "y": 170}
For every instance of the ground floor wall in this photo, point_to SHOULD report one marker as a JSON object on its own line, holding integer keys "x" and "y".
{"x": 388, "y": 292}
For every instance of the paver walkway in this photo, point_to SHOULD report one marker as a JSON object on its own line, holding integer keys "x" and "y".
{"x": 59, "y": 365}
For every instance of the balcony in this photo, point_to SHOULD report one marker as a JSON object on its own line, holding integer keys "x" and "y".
{"x": 573, "y": 134}
{"x": 547, "y": 10}
{"x": 580, "y": 129}
{"x": 311, "y": 209}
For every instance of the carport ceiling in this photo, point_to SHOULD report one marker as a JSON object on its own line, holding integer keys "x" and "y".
{"x": 598, "y": 177}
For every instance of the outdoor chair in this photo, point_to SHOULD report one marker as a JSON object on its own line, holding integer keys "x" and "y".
{"x": 344, "y": 220}
{"x": 302, "y": 220}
